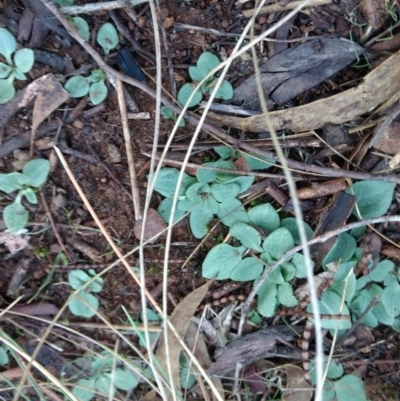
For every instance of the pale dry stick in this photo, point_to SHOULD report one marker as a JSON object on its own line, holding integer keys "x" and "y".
{"x": 104, "y": 6}
{"x": 274, "y": 8}
{"x": 129, "y": 153}
{"x": 299, "y": 221}
{"x": 132, "y": 106}
{"x": 149, "y": 192}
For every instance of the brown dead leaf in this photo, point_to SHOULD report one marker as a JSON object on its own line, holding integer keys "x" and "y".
{"x": 388, "y": 139}
{"x": 50, "y": 96}
{"x": 180, "y": 319}
{"x": 196, "y": 342}
{"x": 154, "y": 225}
{"x": 391, "y": 251}
{"x": 297, "y": 388}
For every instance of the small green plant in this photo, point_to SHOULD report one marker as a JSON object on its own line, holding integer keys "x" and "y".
{"x": 94, "y": 85}
{"x": 34, "y": 175}
{"x": 83, "y": 303}
{"x": 168, "y": 114}
{"x": 205, "y": 64}
{"x": 208, "y": 194}
{"x": 339, "y": 386}
{"x": 15, "y": 67}
{"x": 107, "y": 37}
{"x": 108, "y": 376}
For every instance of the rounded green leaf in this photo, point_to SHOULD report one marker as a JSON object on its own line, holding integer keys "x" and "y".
{"x": 391, "y": 297}
{"x": 199, "y": 219}
{"x": 37, "y": 170}
{"x": 81, "y": 26}
{"x": 231, "y": 212}
{"x": 223, "y": 192}
{"x": 4, "y": 359}
{"x": 247, "y": 235}
{"x": 77, "y": 86}
{"x": 223, "y": 151}
{"x": 342, "y": 250}
{"x": 248, "y": 269}
{"x": 291, "y": 224}
{"x": 278, "y": 242}
{"x": 211, "y": 204}
{"x": 98, "y": 92}
{"x": 83, "y": 304}
{"x": 8, "y": 44}
{"x": 84, "y": 389}
{"x": 285, "y": 295}
{"x": 373, "y": 198}
{"x": 30, "y": 196}
{"x": 331, "y": 304}
{"x": 105, "y": 386}
{"x": 266, "y": 301}
{"x": 184, "y": 94}
{"x": 125, "y": 380}
{"x": 107, "y": 37}
{"x": 24, "y": 59}
{"x": 358, "y": 306}
{"x": 13, "y": 181}
{"x": 379, "y": 310}
{"x": 204, "y": 175}
{"x": 15, "y": 217}
{"x": 196, "y": 74}
{"x": 335, "y": 370}
{"x": 97, "y": 75}
{"x": 195, "y": 191}
{"x": 300, "y": 263}
{"x": 77, "y": 278}
{"x": 206, "y": 63}
{"x": 5, "y": 70}
{"x": 265, "y": 217}
{"x": 221, "y": 261}
{"x": 18, "y": 74}
{"x": 164, "y": 210}
{"x": 350, "y": 387}
{"x": 243, "y": 182}
{"x": 276, "y": 276}
{"x": 186, "y": 375}
{"x": 167, "y": 180}
{"x": 167, "y": 113}
{"x": 225, "y": 176}
{"x": 64, "y": 3}
{"x": 7, "y": 90}
{"x": 225, "y": 91}
{"x": 345, "y": 280}
{"x": 381, "y": 270}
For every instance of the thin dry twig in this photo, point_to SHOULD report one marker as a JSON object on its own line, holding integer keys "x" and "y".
{"x": 54, "y": 227}
{"x": 129, "y": 153}
{"x": 274, "y": 8}
{"x": 104, "y": 6}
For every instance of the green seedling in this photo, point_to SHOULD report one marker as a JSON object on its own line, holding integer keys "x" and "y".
{"x": 208, "y": 194}
{"x": 108, "y": 377}
{"x": 17, "y": 64}
{"x": 83, "y": 303}
{"x": 168, "y": 114}
{"x": 107, "y": 37}
{"x": 34, "y": 175}
{"x": 205, "y": 64}
{"x": 94, "y": 85}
